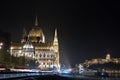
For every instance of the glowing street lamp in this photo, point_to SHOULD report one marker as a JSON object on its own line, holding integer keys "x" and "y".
{"x": 1, "y": 44}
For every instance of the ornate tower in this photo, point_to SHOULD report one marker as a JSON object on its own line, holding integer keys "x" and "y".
{"x": 28, "y": 52}
{"x": 36, "y": 21}
{"x": 36, "y": 34}
{"x": 108, "y": 56}
{"x": 55, "y": 43}
{"x": 24, "y": 35}
{"x": 56, "y": 50}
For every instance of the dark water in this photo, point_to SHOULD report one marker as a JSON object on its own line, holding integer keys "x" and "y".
{"x": 68, "y": 77}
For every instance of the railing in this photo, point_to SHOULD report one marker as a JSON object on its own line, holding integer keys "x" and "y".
{"x": 5, "y": 75}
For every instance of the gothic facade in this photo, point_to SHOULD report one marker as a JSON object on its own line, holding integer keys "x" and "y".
{"x": 33, "y": 46}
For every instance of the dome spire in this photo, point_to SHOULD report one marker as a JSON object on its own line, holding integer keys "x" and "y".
{"x": 108, "y": 56}
{"x": 36, "y": 21}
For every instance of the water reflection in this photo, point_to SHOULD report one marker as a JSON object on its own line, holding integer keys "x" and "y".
{"x": 80, "y": 77}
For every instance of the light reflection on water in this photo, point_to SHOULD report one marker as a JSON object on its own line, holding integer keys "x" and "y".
{"x": 91, "y": 77}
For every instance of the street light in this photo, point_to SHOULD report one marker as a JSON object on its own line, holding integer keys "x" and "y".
{"x": 1, "y": 44}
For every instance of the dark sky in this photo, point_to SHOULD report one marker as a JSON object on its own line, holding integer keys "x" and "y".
{"x": 86, "y": 29}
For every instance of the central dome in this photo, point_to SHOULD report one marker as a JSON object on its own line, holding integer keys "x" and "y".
{"x": 36, "y": 32}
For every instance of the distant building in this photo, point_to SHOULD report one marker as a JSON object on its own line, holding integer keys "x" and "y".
{"x": 5, "y": 39}
{"x": 33, "y": 46}
{"x": 101, "y": 60}
{"x": 107, "y": 64}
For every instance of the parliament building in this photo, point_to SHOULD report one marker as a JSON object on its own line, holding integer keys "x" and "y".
{"x": 33, "y": 46}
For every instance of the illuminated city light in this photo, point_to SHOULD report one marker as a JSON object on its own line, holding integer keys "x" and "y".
{"x": 65, "y": 71}
{"x": 1, "y": 44}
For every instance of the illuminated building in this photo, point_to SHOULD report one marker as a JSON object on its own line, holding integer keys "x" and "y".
{"x": 108, "y": 59}
{"x": 33, "y": 46}
{"x": 81, "y": 68}
{"x": 107, "y": 64}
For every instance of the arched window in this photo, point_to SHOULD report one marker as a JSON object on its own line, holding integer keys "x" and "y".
{"x": 48, "y": 55}
{"x": 44, "y": 55}
{"x": 51, "y": 56}
{"x": 40, "y": 55}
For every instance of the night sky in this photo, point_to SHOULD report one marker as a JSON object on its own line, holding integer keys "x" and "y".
{"x": 86, "y": 29}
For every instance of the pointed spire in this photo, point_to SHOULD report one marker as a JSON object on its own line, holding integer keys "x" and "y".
{"x": 36, "y": 21}
{"x": 55, "y": 38}
{"x": 108, "y": 56}
{"x": 56, "y": 50}
{"x": 43, "y": 38}
{"x": 24, "y": 35}
{"x": 55, "y": 32}
{"x": 24, "y": 32}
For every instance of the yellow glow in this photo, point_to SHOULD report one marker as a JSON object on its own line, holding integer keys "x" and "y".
{"x": 1, "y": 44}
{"x": 108, "y": 56}
{"x": 11, "y": 47}
{"x": 19, "y": 51}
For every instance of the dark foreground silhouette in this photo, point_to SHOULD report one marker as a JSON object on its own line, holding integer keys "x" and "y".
{"x": 52, "y": 77}
{"x": 47, "y": 77}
